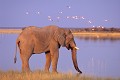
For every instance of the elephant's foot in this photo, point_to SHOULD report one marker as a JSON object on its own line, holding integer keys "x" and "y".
{"x": 46, "y": 71}
{"x": 55, "y": 72}
{"x": 26, "y": 70}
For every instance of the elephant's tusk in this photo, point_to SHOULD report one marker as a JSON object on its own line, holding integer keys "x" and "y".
{"x": 76, "y": 48}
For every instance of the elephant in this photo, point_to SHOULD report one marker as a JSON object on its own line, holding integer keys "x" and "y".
{"x": 48, "y": 40}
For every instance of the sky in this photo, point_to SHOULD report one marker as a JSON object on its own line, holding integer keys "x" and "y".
{"x": 63, "y": 13}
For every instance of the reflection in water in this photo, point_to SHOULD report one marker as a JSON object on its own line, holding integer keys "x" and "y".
{"x": 2, "y": 37}
{"x": 96, "y": 65}
{"x": 99, "y": 56}
{"x": 95, "y": 38}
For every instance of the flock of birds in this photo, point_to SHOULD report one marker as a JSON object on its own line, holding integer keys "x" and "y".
{"x": 76, "y": 17}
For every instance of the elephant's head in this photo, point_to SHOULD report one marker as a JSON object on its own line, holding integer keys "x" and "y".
{"x": 70, "y": 44}
{"x": 66, "y": 39}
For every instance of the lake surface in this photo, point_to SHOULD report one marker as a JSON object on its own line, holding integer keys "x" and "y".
{"x": 95, "y": 57}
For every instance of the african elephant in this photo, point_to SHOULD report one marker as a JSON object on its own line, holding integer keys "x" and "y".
{"x": 35, "y": 40}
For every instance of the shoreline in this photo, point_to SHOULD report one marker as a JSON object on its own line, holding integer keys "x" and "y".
{"x": 81, "y": 34}
{"x": 10, "y": 31}
{"x": 107, "y": 34}
{"x": 98, "y": 35}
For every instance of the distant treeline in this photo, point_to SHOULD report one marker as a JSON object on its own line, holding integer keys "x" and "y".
{"x": 95, "y": 29}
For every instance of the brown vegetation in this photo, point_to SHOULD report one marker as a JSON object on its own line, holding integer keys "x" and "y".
{"x": 98, "y": 35}
{"x": 40, "y": 75}
{"x": 10, "y": 31}
{"x": 95, "y": 33}
{"x": 74, "y": 30}
{"x": 95, "y": 29}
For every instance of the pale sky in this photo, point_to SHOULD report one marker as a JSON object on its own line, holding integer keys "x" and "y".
{"x": 64, "y": 13}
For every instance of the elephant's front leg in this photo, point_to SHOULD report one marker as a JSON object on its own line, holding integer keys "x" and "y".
{"x": 48, "y": 61}
{"x": 54, "y": 57}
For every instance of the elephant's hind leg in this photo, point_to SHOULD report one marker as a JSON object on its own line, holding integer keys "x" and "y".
{"x": 48, "y": 61}
{"x": 25, "y": 62}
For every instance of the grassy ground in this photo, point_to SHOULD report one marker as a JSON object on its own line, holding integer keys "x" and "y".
{"x": 40, "y": 75}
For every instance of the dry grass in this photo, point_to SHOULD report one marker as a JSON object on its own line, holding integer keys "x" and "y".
{"x": 107, "y": 34}
{"x": 40, "y": 75}
{"x": 10, "y": 31}
{"x": 98, "y": 35}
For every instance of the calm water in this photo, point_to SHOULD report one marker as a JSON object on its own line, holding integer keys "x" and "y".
{"x": 95, "y": 57}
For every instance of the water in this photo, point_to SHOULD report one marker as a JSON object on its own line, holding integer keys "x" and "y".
{"x": 95, "y": 57}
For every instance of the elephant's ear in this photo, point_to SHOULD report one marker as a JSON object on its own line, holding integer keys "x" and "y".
{"x": 69, "y": 36}
{"x": 60, "y": 36}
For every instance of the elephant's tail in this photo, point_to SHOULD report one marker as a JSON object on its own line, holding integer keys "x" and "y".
{"x": 15, "y": 58}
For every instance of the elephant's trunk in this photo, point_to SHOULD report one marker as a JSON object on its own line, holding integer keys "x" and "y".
{"x": 74, "y": 58}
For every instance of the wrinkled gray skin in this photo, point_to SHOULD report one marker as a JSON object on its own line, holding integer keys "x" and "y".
{"x": 34, "y": 40}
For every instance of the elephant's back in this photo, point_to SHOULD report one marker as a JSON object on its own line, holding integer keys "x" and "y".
{"x": 26, "y": 34}
{"x": 51, "y": 27}
{"x": 45, "y": 29}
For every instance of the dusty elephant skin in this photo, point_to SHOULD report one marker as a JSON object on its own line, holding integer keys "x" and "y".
{"x": 34, "y": 40}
